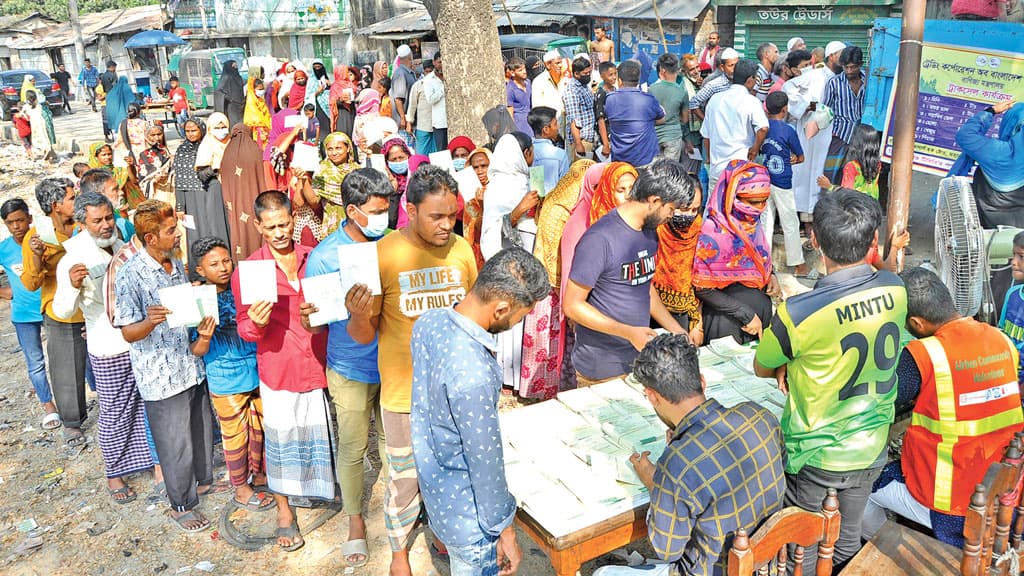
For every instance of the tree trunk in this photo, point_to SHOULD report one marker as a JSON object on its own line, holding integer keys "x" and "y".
{"x": 471, "y": 62}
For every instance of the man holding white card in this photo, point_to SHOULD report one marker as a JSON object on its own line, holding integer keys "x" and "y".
{"x": 170, "y": 379}
{"x": 352, "y": 375}
{"x": 80, "y": 275}
{"x": 290, "y": 363}
{"x": 422, "y": 267}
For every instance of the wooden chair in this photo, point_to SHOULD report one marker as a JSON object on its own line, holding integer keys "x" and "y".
{"x": 755, "y": 554}
{"x": 989, "y": 539}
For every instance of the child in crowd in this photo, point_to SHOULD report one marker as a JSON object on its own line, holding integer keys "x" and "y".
{"x": 79, "y": 168}
{"x": 781, "y": 150}
{"x": 862, "y": 163}
{"x": 179, "y": 102}
{"x": 232, "y": 378}
{"x": 1011, "y": 321}
{"x": 21, "y": 123}
{"x": 312, "y": 124}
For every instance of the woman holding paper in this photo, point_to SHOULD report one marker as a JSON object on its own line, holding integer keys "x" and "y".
{"x": 189, "y": 191}
{"x": 101, "y": 155}
{"x": 343, "y": 98}
{"x": 367, "y": 108}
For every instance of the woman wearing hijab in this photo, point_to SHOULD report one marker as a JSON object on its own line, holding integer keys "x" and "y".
{"x": 40, "y": 121}
{"x": 340, "y": 162}
{"x": 154, "y": 165}
{"x": 366, "y": 111}
{"x": 732, "y": 271}
{"x": 256, "y": 115}
{"x": 117, "y": 102}
{"x": 508, "y": 219}
{"x": 545, "y": 324}
{"x": 673, "y": 273}
{"x": 286, "y": 81}
{"x": 498, "y": 122}
{"x": 380, "y": 72}
{"x": 473, "y": 213}
{"x": 242, "y": 179}
{"x": 342, "y": 100}
{"x": 229, "y": 97}
{"x": 209, "y": 158}
{"x": 321, "y": 98}
{"x": 28, "y": 84}
{"x": 206, "y": 210}
{"x": 276, "y": 160}
{"x": 999, "y": 179}
{"x": 397, "y": 156}
{"x": 297, "y": 93}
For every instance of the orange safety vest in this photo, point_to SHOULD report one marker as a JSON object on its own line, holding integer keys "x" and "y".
{"x": 965, "y": 416}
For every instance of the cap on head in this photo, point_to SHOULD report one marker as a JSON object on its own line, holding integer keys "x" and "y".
{"x": 730, "y": 54}
{"x": 404, "y": 51}
{"x": 551, "y": 55}
{"x": 834, "y": 47}
{"x": 794, "y": 41}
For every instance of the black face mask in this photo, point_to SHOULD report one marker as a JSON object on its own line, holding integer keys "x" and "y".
{"x": 682, "y": 222}
{"x": 583, "y": 79}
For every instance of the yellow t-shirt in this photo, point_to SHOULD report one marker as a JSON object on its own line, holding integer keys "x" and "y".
{"x": 413, "y": 280}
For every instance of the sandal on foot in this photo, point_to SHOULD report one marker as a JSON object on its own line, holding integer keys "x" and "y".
{"x": 215, "y": 488}
{"x": 291, "y": 532}
{"x": 159, "y": 492}
{"x": 192, "y": 516}
{"x": 51, "y": 421}
{"x": 258, "y": 502}
{"x": 74, "y": 439}
{"x": 126, "y": 491}
{"x": 355, "y": 548}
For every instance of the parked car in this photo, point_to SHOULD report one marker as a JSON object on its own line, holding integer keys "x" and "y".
{"x": 199, "y": 72}
{"x": 10, "y": 87}
{"x": 537, "y": 44}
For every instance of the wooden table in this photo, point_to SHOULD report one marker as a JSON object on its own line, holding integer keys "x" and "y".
{"x": 569, "y": 552}
{"x": 163, "y": 107}
{"x": 897, "y": 551}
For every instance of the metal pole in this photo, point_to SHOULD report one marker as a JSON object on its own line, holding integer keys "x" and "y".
{"x": 905, "y": 112}
{"x": 76, "y": 26}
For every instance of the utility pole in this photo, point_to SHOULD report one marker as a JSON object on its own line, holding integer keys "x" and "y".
{"x": 905, "y": 113}
{"x": 76, "y": 26}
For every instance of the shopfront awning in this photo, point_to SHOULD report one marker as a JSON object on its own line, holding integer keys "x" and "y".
{"x": 631, "y": 9}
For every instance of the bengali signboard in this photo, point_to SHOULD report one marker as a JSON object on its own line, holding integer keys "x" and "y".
{"x": 254, "y": 16}
{"x": 810, "y": 15}
{"x": 956, "y": 82}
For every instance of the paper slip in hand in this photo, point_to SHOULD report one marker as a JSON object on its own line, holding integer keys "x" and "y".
{"x": 189, "y": 221}
{"x": 295, "y": 120}
{"x": 358, "y": 265}
{"x": 45, "y": 230}
{"x": 84, "y": 251}
{"x": 258, "y": 281}
{"x": 206, "y": 299}
{"x": 325, "y": 293}
{"x": 183, "y": 306}
{"x": 442, "y": 159}
{"x": 377, "y": 162}
{"x": 537, "y": 180}
{"x": 695, "y": 154}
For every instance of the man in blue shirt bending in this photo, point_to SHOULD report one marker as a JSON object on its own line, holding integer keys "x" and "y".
{"x": 352, "y": 375}
{"x": 455, "y": 436}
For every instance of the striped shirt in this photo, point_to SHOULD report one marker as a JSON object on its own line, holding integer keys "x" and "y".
{"x": 847, "y": 106}
{"x": 579, "y": 108}
{"x": 764, "y": 82}
{"x": 713, "y": 85}
{"x": 722, "y": 471}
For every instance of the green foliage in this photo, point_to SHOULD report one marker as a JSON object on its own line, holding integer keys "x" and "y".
{"x": 58, "y": 9}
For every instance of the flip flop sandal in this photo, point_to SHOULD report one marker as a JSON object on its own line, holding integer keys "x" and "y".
{"x": 51, "y": 421}
{"x": 437, "y": 553}
{"x": 74, "y": 440}
{"x": 355, "y": 548}
{"x": 192, "y": 515}
{"x": 291, "y": 532}
{"x": 216, "y": 488}
{"x": 129, "y": 495}
{"x": 258, "y": 502}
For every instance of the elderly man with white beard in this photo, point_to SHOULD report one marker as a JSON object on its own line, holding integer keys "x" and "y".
{"x": 122, "y": 424}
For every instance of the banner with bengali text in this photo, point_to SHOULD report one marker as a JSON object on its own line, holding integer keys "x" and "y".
{"x": 956, "y": 82}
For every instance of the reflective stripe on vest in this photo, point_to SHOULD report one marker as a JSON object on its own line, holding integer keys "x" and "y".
{"x": 948, "y": 427}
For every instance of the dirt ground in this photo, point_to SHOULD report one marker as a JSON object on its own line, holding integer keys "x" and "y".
{"x": 84, "y": 533}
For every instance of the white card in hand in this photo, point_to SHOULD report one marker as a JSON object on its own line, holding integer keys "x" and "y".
{"x": 295, "y": 120}
{"x": 45, "y": 230}
{"x": 84, "y": 250}
{"x": 358, "y": 265}
{"x": 184, "y": 309}
{"x": 325, "y": 293}
{"x": 258, "y": 281}
{"x": 206, "y": 299}
{"x": 442, "y": 159}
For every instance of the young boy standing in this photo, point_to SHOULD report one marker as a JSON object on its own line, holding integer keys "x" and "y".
{"x": 231, "y": 376}
{"x": 21, "y": 123}
{"x": 781, "y": 150}
{"x": 1011, "y": 321}
{"x": 312, "y": 133}
{"x": 25, "y": 306}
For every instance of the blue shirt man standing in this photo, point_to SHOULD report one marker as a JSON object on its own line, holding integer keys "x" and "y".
{"x": 455, "y": 435}
{"x": 632, "y": 115}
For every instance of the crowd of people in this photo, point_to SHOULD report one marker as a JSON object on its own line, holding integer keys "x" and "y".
{"x": 656, "y": 209}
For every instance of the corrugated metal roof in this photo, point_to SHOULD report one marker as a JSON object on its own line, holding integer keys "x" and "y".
{"x": 417, "y": 21}
{"x": 640, "y": 9}
{"x": 106, "y": 23}
{"x": 24, "y": 22}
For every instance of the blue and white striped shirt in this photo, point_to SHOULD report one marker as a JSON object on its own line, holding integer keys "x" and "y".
{"x": 713, "y": 85}
{"x": 847, "y": 106}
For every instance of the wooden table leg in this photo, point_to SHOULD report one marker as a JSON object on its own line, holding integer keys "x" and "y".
{"x": 566, "y": 562}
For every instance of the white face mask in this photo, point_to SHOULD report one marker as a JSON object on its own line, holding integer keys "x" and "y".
{"x": 219, "y": 133}
{"x": 376, "y": 224}
{"x": 261, "y": 93}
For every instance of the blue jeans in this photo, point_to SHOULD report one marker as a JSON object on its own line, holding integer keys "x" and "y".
{"x": 642, "y": 570}
{"x": 477, "y": 559}
{"x": 30, "y": 340}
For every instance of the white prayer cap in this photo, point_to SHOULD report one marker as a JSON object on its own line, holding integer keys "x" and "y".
{"x": 834, "y": 47}
{"x": 794, "y": 41}
{"x": 551, "y": 55}
{"x": 404, "y": 51}
{"x": 730, "y": 54}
